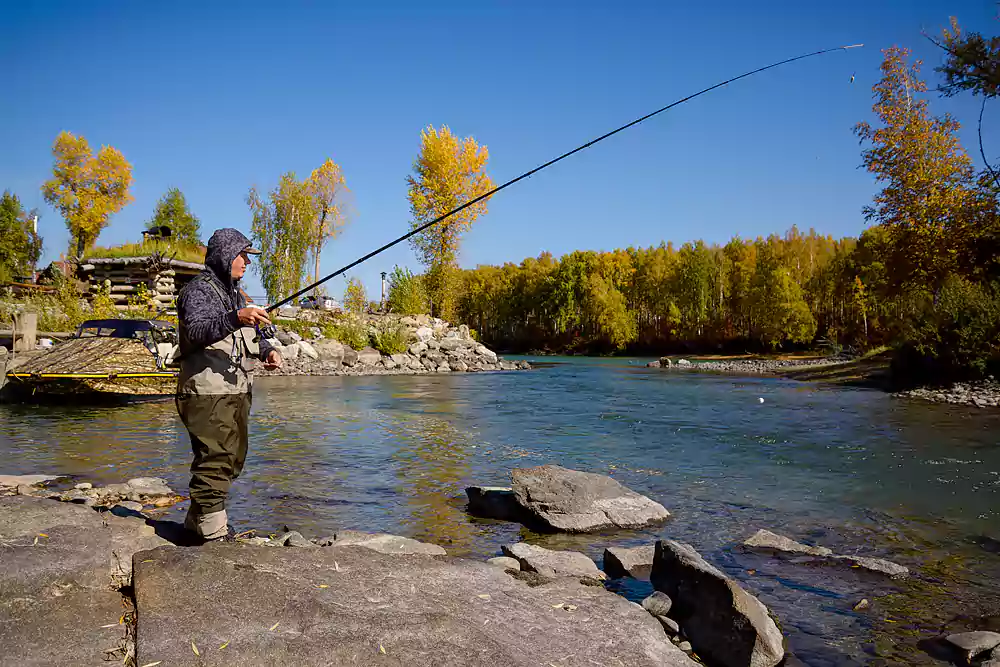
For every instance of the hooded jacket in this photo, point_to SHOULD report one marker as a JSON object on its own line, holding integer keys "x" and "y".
{"x": 215, "y": 350}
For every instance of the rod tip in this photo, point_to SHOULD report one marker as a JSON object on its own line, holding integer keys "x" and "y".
{"x": 852, "y": 46}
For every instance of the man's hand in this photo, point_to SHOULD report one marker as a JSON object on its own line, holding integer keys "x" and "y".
{"x": 273, "y": 360}
{"x": 252, "y": 316}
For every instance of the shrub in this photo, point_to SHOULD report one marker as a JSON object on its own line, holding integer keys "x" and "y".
{"x": 390, "y": 337}
{"x": 355, "y": 298}
{"x": 350, "y": 332}
{"x": 407, "y": 294}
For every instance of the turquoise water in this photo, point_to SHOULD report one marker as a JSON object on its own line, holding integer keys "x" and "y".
{"x": 852, "y": 469}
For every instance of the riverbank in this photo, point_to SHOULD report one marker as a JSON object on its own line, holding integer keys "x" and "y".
{"x": 871, "y": 372}
{"x": 357, "y": 597}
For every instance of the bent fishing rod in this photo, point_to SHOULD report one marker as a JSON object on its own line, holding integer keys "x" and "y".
{"x": 537, "y": 169}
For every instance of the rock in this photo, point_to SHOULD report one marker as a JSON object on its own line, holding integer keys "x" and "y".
{"x": 62, "y": 564}
{"x": 130, "y": 505}
{"x": 653, "y": 364}
{"x": 508, "y": 366}
{"x": 84, "y": 486}
{"x": 418, "y": 348}
{"x": 766, "y": 540}
{"x": 683, "y": 362}
{"x": 863, "y": 604}
{"x": 434, "y": 356}
{"x": 307, "y": 350}
{"x": 408, "y": 321}
{"x": 505, "y": 562}
{"x": 296, "y": 338}
{"x": 330, "y": 350}
{"x": 463, "y": 332}
{"x": 290, "y": 352}
{"x": 576, "y": 502}
{"x": 433, "y": 344}
{"x": 458, "y": 366}
{"x": 636, "y": 562}
{"x": 74, "y": 496}
{"x": 558, "y": 563}
{"x": 428, "y": 364}
{"x": 14, "y": 481}
{"x": 881, "y": 565}
{"x": 344, "y": 606}
{"x": 114, "y": 490}
{"x": 285, "y": 337}
{"x": 150, "y": 486}
{"x": 401, "y": 360}
{"x": 971, "y": 644}
{"x": 424, "y": 334}
{"x": 369, "y": 356}
{"x": 294, "y": 539}
{"x": 25, "y": 490}
{"x": 686, "y": 647}
{"x": 726, "y": 625}
{"x": 423, "y": 320}
{"x": 444, "y": 368}
{"x": 389, "y": 363}
{"x": 350, "y": 356}
{"x": 386, "y": 544}
{"x": 494, "y": 502}
{"x": 993, "y": 660}
{"x": 486, "y": 353}
{"x": 657, "y": 604}
{"x": 666, "y": 362}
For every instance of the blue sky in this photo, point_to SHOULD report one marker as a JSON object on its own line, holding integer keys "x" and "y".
{"x": 215, "y": 97}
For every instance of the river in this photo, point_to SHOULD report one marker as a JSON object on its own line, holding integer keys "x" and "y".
{"x": 852, "y": 469}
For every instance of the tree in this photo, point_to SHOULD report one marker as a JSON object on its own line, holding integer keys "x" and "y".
{"x": 282, "y": 228}
{"x": 448, "y": 173}
{"x": 172, "y": 210}
{"x": 355, "y": 298}
{"x": 327, "y": 187}
{"x": 20, "y": 246}
{"x": 929, "y": 191}
{"x": 87, "y": 189}
{"x": 406, "y": 293}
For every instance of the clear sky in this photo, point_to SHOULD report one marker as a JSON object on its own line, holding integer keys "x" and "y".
{"x": 213, "y": 97}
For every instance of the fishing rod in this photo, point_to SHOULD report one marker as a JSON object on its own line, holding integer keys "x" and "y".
{"x": 543, "y": 166}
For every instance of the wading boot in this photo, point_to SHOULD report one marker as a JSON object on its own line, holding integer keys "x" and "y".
{"x": 209, "y": 527}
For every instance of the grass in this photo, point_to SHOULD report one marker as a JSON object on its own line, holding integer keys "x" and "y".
{"x": 181, "y": 251}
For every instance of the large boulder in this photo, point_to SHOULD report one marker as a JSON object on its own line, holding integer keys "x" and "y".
{"x": 571, "y": 501}
{"x": 350, "y": 356}
{"x": 308, "y": 350}
{"x": 486, "y": 353}
{"x": 494, "y": 502}
{"x": 369, "y": 356}
{"x": 290, "y": 352}
{"x": 331, "y": 351}
{"x": 725, "y": 624}
{"x": 63, "y": 566}
{"x": 634, "y": 562}
{"x": 454, "y": 344}
{"x": 553, "y": 563}
{"x": 351, "y": 606}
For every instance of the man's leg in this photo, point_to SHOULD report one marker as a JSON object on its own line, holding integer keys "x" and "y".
{"x": 243, "y": 428}
{"x": 213, "y": 424}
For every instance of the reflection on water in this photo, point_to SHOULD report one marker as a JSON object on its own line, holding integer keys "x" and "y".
{"x": 854, "y": 470}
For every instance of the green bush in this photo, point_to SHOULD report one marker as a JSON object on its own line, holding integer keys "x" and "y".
{"x": 407, "y": 294}
{"x": 390, "y": 337}
{"x": 350, "y": 332}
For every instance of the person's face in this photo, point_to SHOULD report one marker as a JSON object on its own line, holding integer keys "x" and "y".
{"x": 240, "y": 265}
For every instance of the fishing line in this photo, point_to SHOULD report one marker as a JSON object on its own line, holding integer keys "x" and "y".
{"x": 548, "y": 164}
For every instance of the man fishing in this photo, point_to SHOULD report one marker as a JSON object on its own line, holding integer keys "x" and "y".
{"x": 218, "y": 343}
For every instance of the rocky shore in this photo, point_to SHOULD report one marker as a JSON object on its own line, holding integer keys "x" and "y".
{"x": 431, "y": 346}
{"x": 92, "y": 574}
{"x": 746, "y": 366}
{"x": 983, "y": 394}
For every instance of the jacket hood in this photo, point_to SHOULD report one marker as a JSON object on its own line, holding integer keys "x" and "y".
{"x": 223, "y": 248}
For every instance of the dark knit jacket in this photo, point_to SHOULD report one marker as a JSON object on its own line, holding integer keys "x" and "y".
{"x": 207, "y": 306}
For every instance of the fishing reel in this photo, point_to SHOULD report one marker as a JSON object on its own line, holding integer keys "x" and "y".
{"x": 265, "y": 331}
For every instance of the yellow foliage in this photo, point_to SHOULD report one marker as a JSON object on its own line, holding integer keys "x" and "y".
{"x": 327, "y": 187}
{"x": 449, "y": 172}
{"x": 85, "y": 188}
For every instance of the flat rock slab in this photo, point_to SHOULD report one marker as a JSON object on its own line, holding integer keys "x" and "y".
{"x": 571, "y": 501}
{"x": 14, "y": 481}
{"x": 353, "y": 606}
{"x": 726, "y": 625}
{"x": 765, "y": 540}
{"x": 553, "y": 563}
{"x": 385, "y": 543}
{"x": 635, "y": 562}
{"x": 60, "y": 565}
{"x": 972, "y": 644}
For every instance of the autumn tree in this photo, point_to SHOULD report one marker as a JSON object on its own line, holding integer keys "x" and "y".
{"x": 86, "y": 188}
{"x": 928, "y": 197}
{"x": 20, "y": 245}
{"x": 283, "y": 225}
{"x": 972, "y": 63}
{"x": 406, "y": 293}
{"x": 327, "y": 187}
{"x": 355, "y": 297}
{"x": 172, "y": 211}
{"x": 448, "y": 173}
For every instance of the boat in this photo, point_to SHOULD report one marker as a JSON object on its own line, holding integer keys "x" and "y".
{"x": 116, "y": 359}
